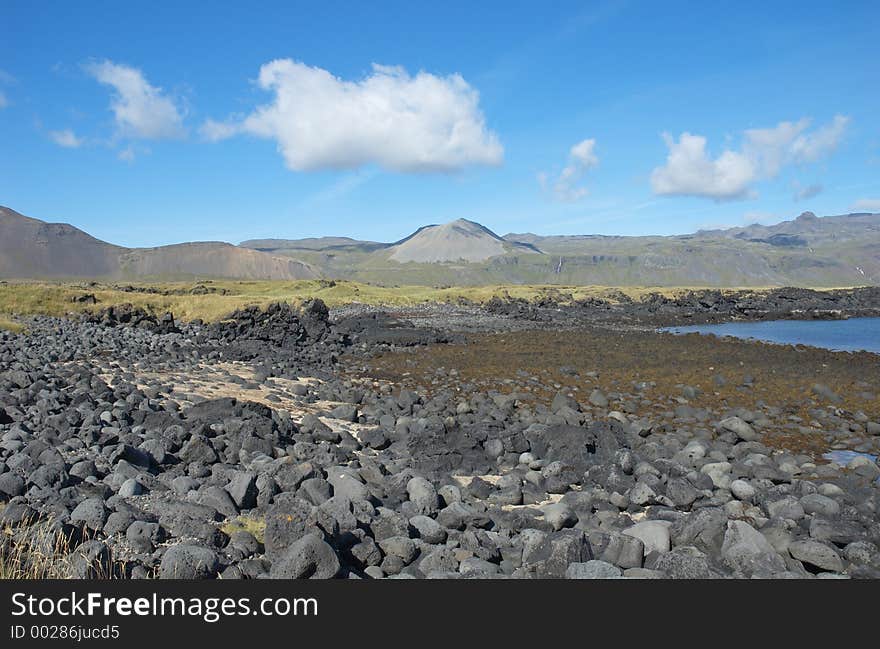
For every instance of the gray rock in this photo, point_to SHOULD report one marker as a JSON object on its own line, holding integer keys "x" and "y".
{"x": 188, "y": 562}
{"x": 118, "y": 523}
{"x": 819, "y": 504}
{"x": 219, "y": 500}
{"x": 346, "y": 482}
{"x": 593, "y": 570}
{"x": 243, "y": 489}
{"x": 681, "y": 492}
{"x": 559, "y": 515}
{"x": 423, "y": 496}
{"x": 749, "y": 553}
{"x": 11, "y": 486}
{"x": 438, "y": 559}
{"x": 551, "y": 558}
{"x": 475, "y": 566}
{"x": 684, "y": 562}
{"x": 308, "y": 558}
{"x": 286, "y": 522}
{"x": 345, "y": 412}
{"x": 131, "y": 487}
{"x": 742, "y": 490}
{"x": 90, "y": 560}
{"x": 643, "y": 573}
{"x": 641, "y": 494}
{"x": 401, "y": 547}
{"x": 738, "y": 427}
{"x": 92, "y": 513}
{"x": 786, "y": 508}
{"x": 654, "y": 535}
{"x": 622, "y": 550}
{"x": 816, "y": 554}
{"x": 143, "y": 537}
{"x": 429, "y": 530}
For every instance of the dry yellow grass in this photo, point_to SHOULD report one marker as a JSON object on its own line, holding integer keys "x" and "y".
{"x": 46, "y": 556}
{"x": 59, "y": 298}
{"x": 9, "y": 325}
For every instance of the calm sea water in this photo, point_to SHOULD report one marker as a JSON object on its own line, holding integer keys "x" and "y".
{"x": 855, "y": 334}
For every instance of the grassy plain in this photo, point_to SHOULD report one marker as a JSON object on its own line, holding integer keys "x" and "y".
{"x": 211, "y": 300}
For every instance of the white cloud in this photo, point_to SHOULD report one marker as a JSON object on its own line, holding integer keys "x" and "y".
{"x": 142, "y": 111}
{"x": 3, "y": 101}
{"x": 66, "y": 138}
{"x": 567, "y": 187}
{"x": 214, "y": 131}
{"x": 788, "y": 143}
{"x": 420, "y": 123}
{"x": 866, "y": 205}
{"x": 690, "y": 171}
{"x": 127, "y": 154}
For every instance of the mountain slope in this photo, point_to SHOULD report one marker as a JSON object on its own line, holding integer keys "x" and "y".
{"x": 33, "y": 248}
{"x": 30, "y": 248}
{"x": 211, "y": 259}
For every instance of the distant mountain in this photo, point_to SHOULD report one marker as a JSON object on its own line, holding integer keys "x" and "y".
{"x": 311, "y": 243}
{"x": 457, "y": 241}
{"x": 807, "y": 251}
{"x": 30, "y": 248}
{"x": 807, "y": 230}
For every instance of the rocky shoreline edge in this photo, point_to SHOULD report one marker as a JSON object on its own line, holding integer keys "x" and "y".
{"x": 137, "y": 447}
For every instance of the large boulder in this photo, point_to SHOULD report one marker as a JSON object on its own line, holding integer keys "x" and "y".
{"x": 308, "y": 558}
{"x": 188, "y": 562}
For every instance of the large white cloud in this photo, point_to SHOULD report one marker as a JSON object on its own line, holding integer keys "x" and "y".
{"x": 401, "y": 122}
{"x": 141, "y": 110}
{"x": 691, "y": 171}
{"x": 567, "y": 186}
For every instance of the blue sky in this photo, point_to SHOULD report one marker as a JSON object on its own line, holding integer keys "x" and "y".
{"x": 147, "y": 123}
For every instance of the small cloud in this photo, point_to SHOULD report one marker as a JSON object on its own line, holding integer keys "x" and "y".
{"x": 414, "y": 124}
{"x": 214, "y": 131}
{"x": 691, "y": 171}
{"x": 567, "y": 186}
{"x": 802, "y": 192}
{"x": 66, "y": 138}
{"x": 866, "y": 205}
{"x": 4, "y": 102}
{"x": 141, "y": 110}
{"x": 127, "y": 154}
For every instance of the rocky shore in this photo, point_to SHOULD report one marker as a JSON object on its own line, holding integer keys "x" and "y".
{"x": 515, "y": 440}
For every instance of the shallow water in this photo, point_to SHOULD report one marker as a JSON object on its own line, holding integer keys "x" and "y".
{"x": 855, "y": 334}
{"x": 845, "y": 457}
